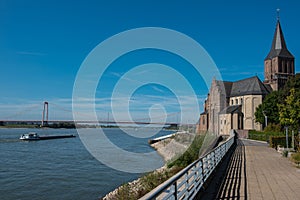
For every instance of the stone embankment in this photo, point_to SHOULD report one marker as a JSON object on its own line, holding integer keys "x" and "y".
{"x": 169, "y": 149}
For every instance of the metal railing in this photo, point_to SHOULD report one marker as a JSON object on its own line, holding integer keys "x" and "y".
{"x": 188, "y": 182}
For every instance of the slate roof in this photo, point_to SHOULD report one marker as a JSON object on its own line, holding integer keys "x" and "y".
{"x": 278, "y": 48}
{"x": 231, "y": 109}
{"x": 249, "y": 86}
{"x": 227, "y": 85}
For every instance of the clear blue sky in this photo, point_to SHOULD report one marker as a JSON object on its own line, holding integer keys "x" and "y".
{"x": 43, "y": 43}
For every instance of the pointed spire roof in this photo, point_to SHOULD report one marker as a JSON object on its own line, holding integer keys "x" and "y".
{"x": 279, "y": 48}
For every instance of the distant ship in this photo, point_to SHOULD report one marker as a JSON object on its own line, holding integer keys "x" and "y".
{"x": 30, "y": 136}
{"x": 34, "y": 136}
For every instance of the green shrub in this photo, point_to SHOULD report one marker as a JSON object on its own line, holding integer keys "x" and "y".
{"x": 263, "y": 136}
{"x": 272, "y": 128}
{"x": 125, "y": 193}
{"x": 151, "y": 180}
{"x": 190, "y": 155}
{"x": 279, "y": 140}
{"x": 296, "y": 158}
{"x": 257, "y": 135}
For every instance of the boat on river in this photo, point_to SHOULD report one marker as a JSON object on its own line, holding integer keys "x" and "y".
{"x": 30, "y": 136}
{"x": 34, "y": 136}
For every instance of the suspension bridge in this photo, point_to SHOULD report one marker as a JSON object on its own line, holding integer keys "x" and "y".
{"x": 44, "y": 121}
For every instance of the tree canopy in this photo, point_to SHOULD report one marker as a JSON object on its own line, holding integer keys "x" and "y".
{"x": 289, "y": 110}
{"x": 279, "y": 106}
{"x": 269, "y": 108}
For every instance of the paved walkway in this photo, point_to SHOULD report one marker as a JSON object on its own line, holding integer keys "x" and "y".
{"x": 269, "y": 175}
{"x": 255, "y": 171}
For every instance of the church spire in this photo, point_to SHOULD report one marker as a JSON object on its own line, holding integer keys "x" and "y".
{"x": 279, "y": 63}
{"x": 279, "y": 48}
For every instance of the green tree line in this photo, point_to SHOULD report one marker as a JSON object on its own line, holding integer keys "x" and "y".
{"x": 282, "y": 107}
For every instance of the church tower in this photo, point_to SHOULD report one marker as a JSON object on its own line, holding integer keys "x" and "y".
{"x": 279, "y": 63}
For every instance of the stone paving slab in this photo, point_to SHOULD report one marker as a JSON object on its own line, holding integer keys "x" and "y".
{"x": 255, "y": 171}
{"x": 269, "y": 175}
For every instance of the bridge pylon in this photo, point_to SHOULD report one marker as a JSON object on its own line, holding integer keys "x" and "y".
{"x": 45, "y": 114}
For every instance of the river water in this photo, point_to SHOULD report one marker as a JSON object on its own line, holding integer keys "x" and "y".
{"x": 60, "y": 168}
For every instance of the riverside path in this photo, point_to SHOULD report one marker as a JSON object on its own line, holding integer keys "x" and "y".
{"x": 254, "y": 171}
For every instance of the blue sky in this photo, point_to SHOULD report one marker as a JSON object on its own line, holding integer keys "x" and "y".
{"x": 43, "y": 44}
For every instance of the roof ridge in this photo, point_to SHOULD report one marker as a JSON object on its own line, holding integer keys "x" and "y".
{"x": 252, "y": 77}
{"x": 251, "y": 85}
{"x": 238, "y": 80}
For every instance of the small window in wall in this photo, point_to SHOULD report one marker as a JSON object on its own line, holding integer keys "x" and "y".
{"x": 203, "y": 121}
{"x": 241, "y": 100}
{"x": 225, "y": 121}
{"x": 231, "y": 101}
{"x": 236, "y": 101}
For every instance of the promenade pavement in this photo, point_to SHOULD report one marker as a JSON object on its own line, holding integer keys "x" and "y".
{"x": 269, "y": 175}
{"x": 255, "y": 171}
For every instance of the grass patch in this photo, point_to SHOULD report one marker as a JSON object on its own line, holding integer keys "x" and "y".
{"x": 137, "y": 189}
{"x": 190, "y": 155}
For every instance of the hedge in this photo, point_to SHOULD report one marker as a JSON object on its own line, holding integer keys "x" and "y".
{"x": 263, "y": 136}
{"x": 280, "y": 140}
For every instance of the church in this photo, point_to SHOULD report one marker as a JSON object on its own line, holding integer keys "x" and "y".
{"x": 231, "y": 105}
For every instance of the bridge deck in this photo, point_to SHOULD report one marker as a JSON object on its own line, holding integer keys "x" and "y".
{"x": 255, "y": 171}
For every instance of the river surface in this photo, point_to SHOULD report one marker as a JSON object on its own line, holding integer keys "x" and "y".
{"x": 60, "y": 168}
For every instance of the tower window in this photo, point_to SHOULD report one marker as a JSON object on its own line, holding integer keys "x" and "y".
{"x": 288, "y": 67}
{"x": 236, "y": 101}
{"x": 283, "y": 66}
{"x": 231, "y": 101}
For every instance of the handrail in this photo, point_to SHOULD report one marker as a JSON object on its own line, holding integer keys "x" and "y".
{"x": 187, "y": 183}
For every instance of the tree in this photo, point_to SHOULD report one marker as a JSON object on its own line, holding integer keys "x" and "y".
{"x": 269, "y": 108}
{"x": 293, "y": 82}
{"x": 289, "y": 110}
{"x": 272, "y": 100}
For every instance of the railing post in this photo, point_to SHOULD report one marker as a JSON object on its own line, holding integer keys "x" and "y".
{"x": 207, "y": 164}
{"x": 175, "y": 190}
{"x": 202, "y": 171}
